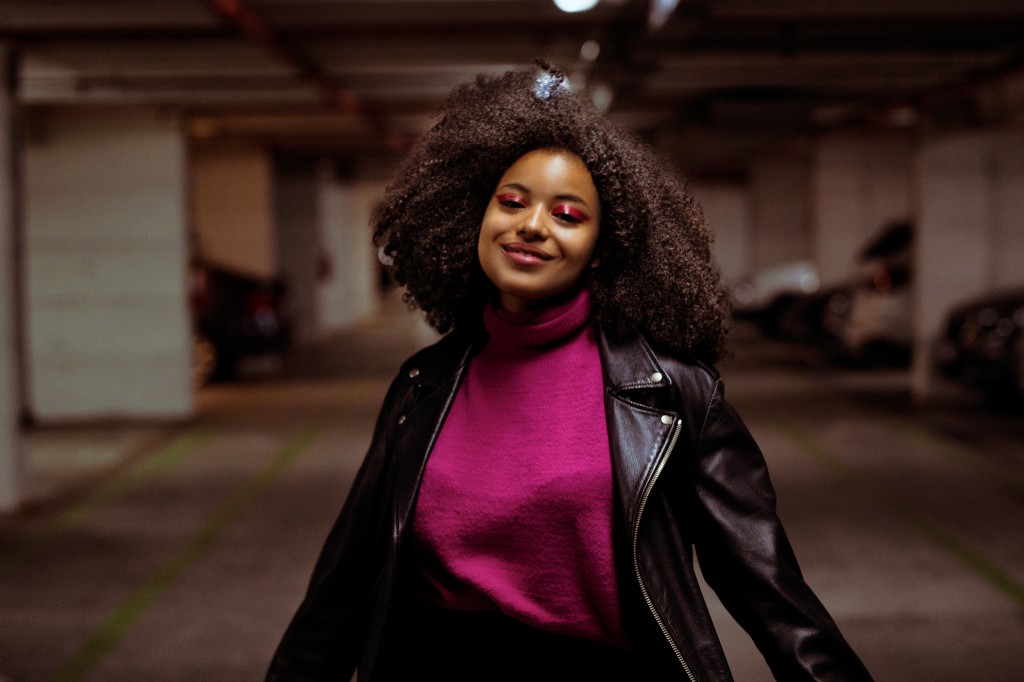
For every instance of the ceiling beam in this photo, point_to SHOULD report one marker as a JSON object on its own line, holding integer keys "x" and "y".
{"x": 337, "y": 94}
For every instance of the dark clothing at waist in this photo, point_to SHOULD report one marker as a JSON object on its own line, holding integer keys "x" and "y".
{"x": 432, "y": 643}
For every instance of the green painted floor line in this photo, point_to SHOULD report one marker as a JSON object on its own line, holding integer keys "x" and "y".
{"x": 918, "y": 435}
{"x": 142, "y": 599}
{"x": 163, "y": 460}
{"x": 915, "y": 434}
{"x": 971, "y": 558}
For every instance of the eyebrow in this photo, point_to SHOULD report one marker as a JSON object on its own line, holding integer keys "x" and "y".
{"x": 560, "y": 197}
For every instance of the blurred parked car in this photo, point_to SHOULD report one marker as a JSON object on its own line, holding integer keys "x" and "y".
{"x": 817, "y": 320}
{"x": 761, "y": 296}
{"x": 982, "y": 343}
{"x": 235, "y": 316}
{"x": 879, "y": 328}
{"x": 864, "y": 319}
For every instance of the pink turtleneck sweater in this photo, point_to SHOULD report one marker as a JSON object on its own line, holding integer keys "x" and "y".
{"x": 515, "y": 509}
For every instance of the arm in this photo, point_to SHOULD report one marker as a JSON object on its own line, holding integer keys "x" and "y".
{"x": 747, "y": 559}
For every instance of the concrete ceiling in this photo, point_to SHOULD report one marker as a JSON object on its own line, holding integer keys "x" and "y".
{"x": 713, "y": 82}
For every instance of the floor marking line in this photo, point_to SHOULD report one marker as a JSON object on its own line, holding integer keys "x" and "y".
{"x": 107, "y": 636}
{"x": 915, "y": 434}
{"x": 973, "y": 559}
{"x": 918, "y": 435}
{"x": 163, "y": 460}
{"x": 921, "y": 436}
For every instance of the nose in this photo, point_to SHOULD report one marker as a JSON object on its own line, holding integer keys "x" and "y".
{"x": 532, "y": 225}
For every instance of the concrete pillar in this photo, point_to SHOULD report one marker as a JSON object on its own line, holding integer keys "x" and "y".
{"x": 1008, "y": 210}
{"x": 778, "y": 203}
{"x": 105, "y": 235}
{"x": 859, "y": 184}
{"x": 727, "y": 212}
{"x": 300, "y": 254}
{"x": 970, "y": 234}
{"x": 351, "y": 293}
{"x": 12, "y": 452}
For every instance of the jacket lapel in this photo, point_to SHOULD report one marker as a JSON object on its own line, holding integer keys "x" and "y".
{"x": 639, "y": 425}
{"x": 433, "y": 378}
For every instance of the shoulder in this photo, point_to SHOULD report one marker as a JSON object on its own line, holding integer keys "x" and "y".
{"x": 636, "y": 354}
{"x": 440, "y": 359}
{"x": 696, "y": 386}
{"x": 686, "y": 365}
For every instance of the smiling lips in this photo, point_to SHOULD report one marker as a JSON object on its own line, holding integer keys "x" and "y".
{"x": 524, "y": 253}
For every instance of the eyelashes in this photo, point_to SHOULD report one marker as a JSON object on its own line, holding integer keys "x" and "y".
{"x": 569, "y": 213}
{"x": 564, "y": 212}
{"x": 511, "y": 201}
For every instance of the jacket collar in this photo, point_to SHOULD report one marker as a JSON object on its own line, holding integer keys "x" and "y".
{"x": 630, "y": 364}
{"x": 447, "y": 361}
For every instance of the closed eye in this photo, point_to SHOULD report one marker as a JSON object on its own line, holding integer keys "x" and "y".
{"x": 569, "y": 214}
{"x": 511, "y": 201}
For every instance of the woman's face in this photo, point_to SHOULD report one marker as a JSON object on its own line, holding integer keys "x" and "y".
{"x": 540, "y": 229}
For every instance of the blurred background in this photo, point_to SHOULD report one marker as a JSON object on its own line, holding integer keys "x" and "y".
{"x": 195, "y": 326}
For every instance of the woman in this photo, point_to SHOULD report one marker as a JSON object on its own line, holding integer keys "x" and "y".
{"x": 539, "y": 478}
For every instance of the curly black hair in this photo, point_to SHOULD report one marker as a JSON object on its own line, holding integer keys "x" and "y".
{"x": 655, "y": 274}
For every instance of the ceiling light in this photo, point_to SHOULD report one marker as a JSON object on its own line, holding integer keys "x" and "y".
{"x": 575, "y": 5}
{"x": 590, "y": 50}
{"x": 659, "y": 11}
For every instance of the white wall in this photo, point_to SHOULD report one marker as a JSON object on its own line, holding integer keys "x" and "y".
{"x": 970, "y": 229}
{"x": 859, "y": 184}
{"x": 351, "y": 293}
{"x": 232, "y": 202}
{"x": 296, "y": 209}
{"x": 1007, "y": 172}
{"x": 727, "y": 212}
{"x": 778, "y": 203}
{"x": 12, "y": 453}
{"x": 105, "y": 224}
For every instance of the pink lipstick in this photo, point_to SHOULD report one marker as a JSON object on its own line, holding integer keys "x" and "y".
{"x": 525, "y": 254}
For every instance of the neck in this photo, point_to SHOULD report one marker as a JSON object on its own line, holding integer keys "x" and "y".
{"x": 537, "y": 327}
{"x": 516, "y": 304}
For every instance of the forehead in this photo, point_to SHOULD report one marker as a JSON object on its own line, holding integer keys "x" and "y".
{"x": 551, "y": 166}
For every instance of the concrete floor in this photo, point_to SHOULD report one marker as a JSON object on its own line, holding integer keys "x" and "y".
{"x": 180, "y": 552}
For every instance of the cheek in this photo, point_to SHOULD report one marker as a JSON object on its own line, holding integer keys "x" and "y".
{"x": 486, "y": 227}
{"x": 589, "y": 248}
{"x": 484, "y": 254}
{"x": 480, "y": 253}
{"x": 483, "y": 237}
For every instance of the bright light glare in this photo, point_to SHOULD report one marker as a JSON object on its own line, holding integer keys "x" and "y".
{"x": 590, "y": 50}
{"x": 659, "y": 12}
{"x": 575, "y": 5}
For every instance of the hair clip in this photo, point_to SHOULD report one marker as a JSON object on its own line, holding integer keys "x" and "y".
{"x": 386, "y": 259}
{"x": 549, "y": 82}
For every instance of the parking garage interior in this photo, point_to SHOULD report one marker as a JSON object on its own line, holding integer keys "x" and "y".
{"x": 146, "y": 147}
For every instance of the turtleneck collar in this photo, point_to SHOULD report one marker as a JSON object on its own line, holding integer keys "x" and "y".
{"x": 533, "y": 328}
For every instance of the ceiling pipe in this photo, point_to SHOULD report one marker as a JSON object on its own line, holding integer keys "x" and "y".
{"x": 337, "y": 94}
{"x": 909, "y": 112}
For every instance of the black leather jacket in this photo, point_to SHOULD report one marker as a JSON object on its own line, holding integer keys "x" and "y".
{"x": 688, "y": 476}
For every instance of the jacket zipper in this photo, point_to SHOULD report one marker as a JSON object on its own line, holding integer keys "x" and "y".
{"x": 677, "y": 429}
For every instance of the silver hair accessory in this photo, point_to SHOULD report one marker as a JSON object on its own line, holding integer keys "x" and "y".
{"x": 386, "y": 259}
{"x": 549, "y": 83}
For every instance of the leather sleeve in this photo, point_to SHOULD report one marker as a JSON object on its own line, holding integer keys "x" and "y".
{"x": 747, "y": 559}
{"x": 325, "y": 638}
